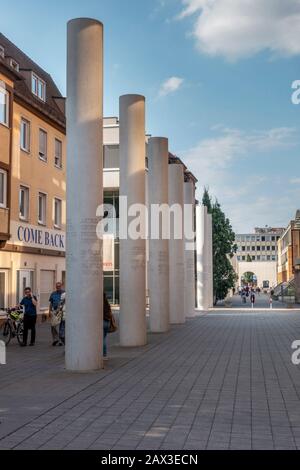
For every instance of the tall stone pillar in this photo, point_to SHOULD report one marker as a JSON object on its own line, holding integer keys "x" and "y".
{"x": 84, "y": 194}
{"x": 133, "y": 331}
{"x": 159, "y": 247}
{"x": 209, "y": 263}
{"x": 201, "y": 215}
{"x": 189, "y": 268}
{"x": 176, "y": 244}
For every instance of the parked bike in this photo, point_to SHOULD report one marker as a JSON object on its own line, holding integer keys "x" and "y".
{"x": 12, "y": 326}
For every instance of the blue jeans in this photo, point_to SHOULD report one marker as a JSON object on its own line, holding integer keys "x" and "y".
{"x": 106, "y": 326}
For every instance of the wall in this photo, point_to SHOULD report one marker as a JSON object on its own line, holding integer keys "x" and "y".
{"x": 29, "y": 170}
{"x": 265, "y": 271}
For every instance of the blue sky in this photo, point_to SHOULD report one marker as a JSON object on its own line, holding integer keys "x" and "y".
{"x": 217, "y": 76}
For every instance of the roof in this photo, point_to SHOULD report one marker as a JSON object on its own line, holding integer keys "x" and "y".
{"x": 188, "y": 175}
{"x": 22, "y": 87}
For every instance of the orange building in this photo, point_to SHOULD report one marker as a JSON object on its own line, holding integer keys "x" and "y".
{"x": 289, "y": 250}
{"x": 32, "y": 178}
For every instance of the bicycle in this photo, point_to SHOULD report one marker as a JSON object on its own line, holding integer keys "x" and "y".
{"x": 13, "y": 326}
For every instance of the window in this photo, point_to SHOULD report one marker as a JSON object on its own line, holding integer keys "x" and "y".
{"x": 243, "y": 248}
{"x": 25, "y": 135}
{"x": 42, "y": 204}
{"x": 258, "y": 258}
{"x": 253, "y": 258}
{"x": 268, "y": 248}
{"x": 38, "y": 87}
{"x": 111, "y": 157}
{"x": 2, "y": 52}
{"x": 43, "y": 145}
{"x": 24, "y": 203}
{"x": 253, "y": 248}
{"x": 14, "y": 64}
{"x": 58, "y": 154}
{"x": 4, "y": 107}
{"x": 3, "y": 188}
{"x": 57, "y": 212}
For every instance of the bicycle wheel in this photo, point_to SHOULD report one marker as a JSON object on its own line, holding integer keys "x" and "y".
{"x": 5, "y": 332}
{"x": 20, "y": 331}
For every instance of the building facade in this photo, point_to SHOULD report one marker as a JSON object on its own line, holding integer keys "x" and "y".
{"x": 260, "y": 246}
{"x": 32, "y": 178}
{"x": 289, "y": 250}
{"x": 257, "y": 257}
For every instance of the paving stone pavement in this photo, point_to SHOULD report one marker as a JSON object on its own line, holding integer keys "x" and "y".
{"x": 225, "y": 380}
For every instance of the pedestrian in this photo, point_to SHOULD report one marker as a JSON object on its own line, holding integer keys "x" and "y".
{"x": 62, "y": 325}
{"x": 252, "y": 299}
{"x": 55, "y": 315}
{"x": 107, "y": 316}
{"x": 29, "y": 302}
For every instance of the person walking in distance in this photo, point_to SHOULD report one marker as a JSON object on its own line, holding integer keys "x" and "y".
{"x": 55, "y": 317}
{"x": 29, "y": 302}
{"x": 252, "y": 299}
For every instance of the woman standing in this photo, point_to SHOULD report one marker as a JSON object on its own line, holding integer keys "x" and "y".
{"x": 107, "y": 317}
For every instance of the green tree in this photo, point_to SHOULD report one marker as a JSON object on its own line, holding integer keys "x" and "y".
{"x": 224, "y": 248}
{"x": 249, "y": 259}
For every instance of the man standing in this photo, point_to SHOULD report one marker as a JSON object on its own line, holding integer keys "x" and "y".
{"x": 54, "y": 300}
{"x": 29, "y": 302}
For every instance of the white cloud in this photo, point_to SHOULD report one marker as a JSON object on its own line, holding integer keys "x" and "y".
{"x": 242, "y": 28}
{"x": 170, "y": 85}
{"x": 225, "y": 164}
{"x": 295, "y": 181}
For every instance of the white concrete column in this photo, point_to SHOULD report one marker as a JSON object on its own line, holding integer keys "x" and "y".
{"x": 133, "y": 330}
{"x": 176, "y": 244}
{"x": 158, "y": 248}
{"x": 209, "y": 265}
{"x": 189, "y": 268}
{"x": 84, "y": 304}
{"x": 201, "y": 215}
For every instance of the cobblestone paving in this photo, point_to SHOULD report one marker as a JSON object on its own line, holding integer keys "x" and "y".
{"x": 225, "y": 380}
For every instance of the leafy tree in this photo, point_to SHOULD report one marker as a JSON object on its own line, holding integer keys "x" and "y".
{"x": 249, "y": 259}
{"x": 224, "y": 248}
{"x": 249, "y": 278}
